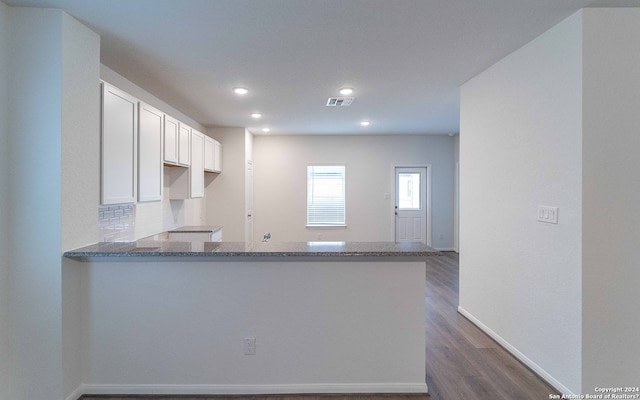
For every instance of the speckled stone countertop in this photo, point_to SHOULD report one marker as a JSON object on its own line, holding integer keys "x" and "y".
{"x": 229, "y": 251}
{"x": 198, "y": 228}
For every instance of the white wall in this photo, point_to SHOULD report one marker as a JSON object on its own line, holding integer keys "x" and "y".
{"x": 225, "y": 192}
{"x": 34, "y": 188}
{"x": 155, "y": 217}
{"x": 51, "y": 110}
{"x": 5, "y": 366}
{"x": 520, "y": 147}
{"x": 80, "y": 188}
{"x": 280, "y": 184}
{"x": 611, "y": 273}
{"x": 142, "y": 340}
{"x": 80, "y": 134}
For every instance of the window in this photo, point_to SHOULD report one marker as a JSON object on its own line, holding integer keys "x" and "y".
{"x": 325, "y": 195}
{"x": 409, "y": 191}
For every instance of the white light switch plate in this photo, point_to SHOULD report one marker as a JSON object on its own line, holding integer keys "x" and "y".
{"x": 249, "y": 346}
{"x": 548, "y": 214}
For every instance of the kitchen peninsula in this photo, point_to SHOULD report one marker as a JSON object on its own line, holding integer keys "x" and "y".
{"x": 168, "y": 317}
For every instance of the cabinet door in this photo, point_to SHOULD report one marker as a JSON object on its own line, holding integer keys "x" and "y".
{"x": 217, "y": 156}
{"x": 118, "y": 147}
{"x": 196, "y": 171}
{"x": 209, "y": 149}
{"x": 170, "y": 140}
{"x": 150, "y": 157}
{"x": 184, "y": 144}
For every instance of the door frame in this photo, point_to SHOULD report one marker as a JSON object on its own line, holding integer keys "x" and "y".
{"x": 248, "y": 211}
{"x": 456, "y": 209}
{"x": 392, "y": 202}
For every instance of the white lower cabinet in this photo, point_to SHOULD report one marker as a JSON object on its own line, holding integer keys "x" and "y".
{"x": 215, "y": 236}
{"x": 150, "y": 156}
{"x": 118, "y": 146}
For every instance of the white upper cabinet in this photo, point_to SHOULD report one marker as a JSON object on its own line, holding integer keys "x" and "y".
{"x": 196, "y": 172}
{"x": 209, "y": 149}
{"x": 217, "y": 156}
{"x": 118, "y": 146}
{"x": 137, "y": 140}
{"x": 184, "y": 144}
{"x": 212, "y": 155}
{"x": 150, "y": 165}
{"x": 170, "y": 140}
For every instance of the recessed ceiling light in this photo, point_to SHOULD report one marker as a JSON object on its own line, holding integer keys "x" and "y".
{"x": 346, "y": 91}
{"x": 256, "y": 115}
{"x": 365, "y": 123}
{"x": 265, "y": 130}
{"x": 240, "y": 90}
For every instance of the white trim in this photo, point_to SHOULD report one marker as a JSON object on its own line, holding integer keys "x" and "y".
{"x": 445, "y": 249}
{"x": 254, "y": 389}
{"x": 75, "y": 395}
{"x": 456, "y": 209}
{"x": 312, "y": 227}
{"x": 517, "y": 354}
{"x": 429, "y": 242}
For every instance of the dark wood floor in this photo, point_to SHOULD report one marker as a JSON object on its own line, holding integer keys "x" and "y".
{"x": 462, "y": 362}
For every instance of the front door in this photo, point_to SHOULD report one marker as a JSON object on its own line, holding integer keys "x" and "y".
{"x": 411, "y": 204}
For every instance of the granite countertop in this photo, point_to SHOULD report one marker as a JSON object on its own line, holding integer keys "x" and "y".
{"x": 198, "y": 228}
{"x": 255, "y": 250}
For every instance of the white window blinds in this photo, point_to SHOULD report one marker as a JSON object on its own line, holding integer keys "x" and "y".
{"x": 325, "y": 195}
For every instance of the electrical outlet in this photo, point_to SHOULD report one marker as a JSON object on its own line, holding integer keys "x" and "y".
{"x": 249, "y": 346}
{"x": 548, "y": 214}
{"x": 441, "y": 236}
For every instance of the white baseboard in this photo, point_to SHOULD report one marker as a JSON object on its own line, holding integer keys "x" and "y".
{"x": 75, "y": 395}
{"x": 251, "y": 389}
{"x": 517, "y": 354}
{"x": 444, "y": 249}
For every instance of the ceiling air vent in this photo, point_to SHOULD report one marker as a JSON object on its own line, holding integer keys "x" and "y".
{"x": 340, "y": 101}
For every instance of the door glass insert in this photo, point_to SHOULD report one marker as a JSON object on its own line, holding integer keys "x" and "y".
{"x": 409, "y": 191}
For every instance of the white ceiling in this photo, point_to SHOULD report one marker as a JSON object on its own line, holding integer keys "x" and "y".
{"x": 405, "y": 58}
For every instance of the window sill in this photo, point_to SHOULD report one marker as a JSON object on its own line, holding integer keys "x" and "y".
{"x": 320, "y": 227}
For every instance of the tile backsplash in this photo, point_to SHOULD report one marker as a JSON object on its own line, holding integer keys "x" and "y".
{"x": 116, "y": 223}
{"x": 130, "y": 222}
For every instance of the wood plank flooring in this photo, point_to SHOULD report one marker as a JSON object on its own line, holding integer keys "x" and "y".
{"x": 462, "y": 362}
